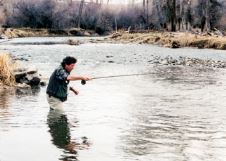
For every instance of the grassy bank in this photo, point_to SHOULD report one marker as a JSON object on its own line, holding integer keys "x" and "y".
{"x": 7, "y": 65}
{"x": 172, "y": 40}
{"x": 166, "y": 39}
{"x": 29, "y": 32}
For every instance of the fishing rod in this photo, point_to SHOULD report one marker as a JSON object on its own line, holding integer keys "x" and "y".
{"x": 83, "y": 82}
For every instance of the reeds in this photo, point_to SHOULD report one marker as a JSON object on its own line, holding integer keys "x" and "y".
{"x": 182, "y": 39}
{"x": 6, "y": 70}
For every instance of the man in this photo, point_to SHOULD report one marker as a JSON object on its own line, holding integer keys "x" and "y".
{"x": 57, "y": 89}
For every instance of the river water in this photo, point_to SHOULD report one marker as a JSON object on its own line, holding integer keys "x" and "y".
{"x": 175, "y": 113}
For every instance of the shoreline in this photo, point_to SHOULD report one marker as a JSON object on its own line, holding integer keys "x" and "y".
{"x": 173, "y": 39}
{"x": 9, "y": 33}
{"x": 213, "y": 40}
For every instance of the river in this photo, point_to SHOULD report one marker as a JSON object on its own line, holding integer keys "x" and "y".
{"x": 174, "y": 113}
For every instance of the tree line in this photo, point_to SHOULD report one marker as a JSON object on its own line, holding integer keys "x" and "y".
{"x": 171, "y": 15}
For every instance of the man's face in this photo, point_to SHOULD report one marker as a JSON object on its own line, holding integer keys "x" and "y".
{"x": 70, "y": 67}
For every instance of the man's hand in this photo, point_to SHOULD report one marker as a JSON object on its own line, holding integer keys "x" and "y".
{"x": 74, "y": 90}
{"x": 86, "y": 78}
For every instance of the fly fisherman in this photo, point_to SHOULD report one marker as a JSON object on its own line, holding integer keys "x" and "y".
{"x": 57, "y": 89}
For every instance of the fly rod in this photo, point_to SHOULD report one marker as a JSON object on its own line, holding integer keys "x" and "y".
{"x": 83, "y": 82}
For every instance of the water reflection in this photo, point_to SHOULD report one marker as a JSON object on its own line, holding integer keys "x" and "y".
{"x": 28, "y": 91}
{"x": 60, "y": 132}
{"x": 5, "y": 96}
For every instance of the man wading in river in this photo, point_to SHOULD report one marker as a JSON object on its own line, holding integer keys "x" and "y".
{"x": 57, "y": 89}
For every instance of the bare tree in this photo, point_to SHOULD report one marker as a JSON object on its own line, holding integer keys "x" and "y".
{"x": 1, "y": 2}
{"x": 80, "y": 12}
{"x": 147, "y": 11}
{"x": 184, "y": 17}
{"x": 116, "y": 25}
{"x": 144, "y": 5}
{"x": 207, "y": 11}
{"x": 171, "y": 4}
{"x": 173, "y": 16}
{"x": 37, "y": 14}
{"x": 157, "y": 5}
{"x": 90, "y": 16}
{"x": 188, "y": 14}
{"x": 132, "y": 2}
{"x": 156, "y": 14}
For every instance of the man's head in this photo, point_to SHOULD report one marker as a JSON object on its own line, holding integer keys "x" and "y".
{"x": 68, "y": 63}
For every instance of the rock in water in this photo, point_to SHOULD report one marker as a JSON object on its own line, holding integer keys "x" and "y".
{"x": 34, "y": 81}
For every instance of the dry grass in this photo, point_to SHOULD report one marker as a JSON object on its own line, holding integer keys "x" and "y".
{"x": 23, "y": 32}
{"x": 182, "y": 39}
{"x": 6, "y": 70}
{"x": 137, "y": 37}
{"x": 201, "y": 41}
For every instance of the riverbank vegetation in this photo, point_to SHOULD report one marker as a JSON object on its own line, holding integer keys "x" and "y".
{"x": 173, "y": 39}
{"x": 171, "y": 23}
{"x": 12, "y": 73}
{"x": 32, "y": 32}
{"x": 7, "y": 65}
{"x": 103, "y": 18}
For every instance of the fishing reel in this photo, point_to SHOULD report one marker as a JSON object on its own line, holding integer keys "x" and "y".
{"x": 83, "y": 82}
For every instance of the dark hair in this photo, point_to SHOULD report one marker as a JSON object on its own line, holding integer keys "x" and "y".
{"x": 68, "y": 60}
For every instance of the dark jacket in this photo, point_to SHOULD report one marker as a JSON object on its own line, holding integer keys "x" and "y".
{"x": 58, "y": 84}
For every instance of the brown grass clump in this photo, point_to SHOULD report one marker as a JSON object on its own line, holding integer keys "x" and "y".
{"x": 23, "y": 32}
{"x": 217, "y": 43}
{"x": 136, "y": 37}
{"x": 6, "y": 70}
{"x": 174, "y": 40}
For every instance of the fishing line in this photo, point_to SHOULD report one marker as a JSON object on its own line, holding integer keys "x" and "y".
{"x": 83, "y": 82}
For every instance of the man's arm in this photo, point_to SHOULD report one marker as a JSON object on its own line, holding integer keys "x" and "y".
{"x": 74, "y": 78}
{"x": 74, "y": 90}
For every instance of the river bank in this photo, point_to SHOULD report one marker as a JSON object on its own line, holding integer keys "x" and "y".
{"x": 9, "y": 33}
{"x": 212, "y": 40}
{"x": 12, "y": 73}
